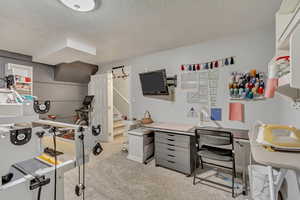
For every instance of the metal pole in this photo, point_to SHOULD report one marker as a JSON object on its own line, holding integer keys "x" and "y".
{"x": 271, "y": 183}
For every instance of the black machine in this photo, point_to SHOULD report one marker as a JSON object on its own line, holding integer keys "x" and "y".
{"x": 83, "y": 112}
{"x": 156, "y": 82}
{"x": 9, "y": 80}
{"x": 88, "y": 100}
{"x": 41, "y": 108}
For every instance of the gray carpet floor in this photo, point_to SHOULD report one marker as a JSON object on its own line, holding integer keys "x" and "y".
{"x": 111, "y": 176}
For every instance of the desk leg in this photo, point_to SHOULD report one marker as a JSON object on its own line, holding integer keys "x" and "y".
{"x": 244, "y": 179}
{"x": 244, "y": 174}
{"x": 298, "y": 178}
{"x": 271, "y": 183}
{"x": 280, "y": 178}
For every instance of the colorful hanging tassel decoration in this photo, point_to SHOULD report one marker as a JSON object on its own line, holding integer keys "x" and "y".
{"x": 190, "y": 68}
{"x": 194, "y": 67}
{"x": 226, "y": 61}
{"x": 198, "y": 67}
{"x": 211, "y": 65}
{"x": 206, "y": 66}
{"x": 232, "y": 61}
{"x": 182, "y": 68}
{"x": 216, "y": 64}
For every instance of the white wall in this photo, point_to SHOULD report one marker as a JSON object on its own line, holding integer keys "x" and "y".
{"x": 252, "y": 51}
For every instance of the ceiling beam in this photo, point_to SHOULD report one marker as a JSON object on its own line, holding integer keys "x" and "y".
{"x": 17, "y": 56}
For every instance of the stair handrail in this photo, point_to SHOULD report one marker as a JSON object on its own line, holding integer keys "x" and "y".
{"x": 119, "y": 93}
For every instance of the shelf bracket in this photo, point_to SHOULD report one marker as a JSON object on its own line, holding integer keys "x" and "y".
{"x": 172, "y": 81}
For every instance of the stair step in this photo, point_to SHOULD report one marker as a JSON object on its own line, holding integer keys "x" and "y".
{"x": 119, "y": 126}
{"x": 119, "y": 131}
{"x": 118, "y": 122}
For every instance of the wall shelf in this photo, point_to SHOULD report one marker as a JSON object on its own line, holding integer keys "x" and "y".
{"x": 23, "y": 72}
{"x": 20, "y": 82}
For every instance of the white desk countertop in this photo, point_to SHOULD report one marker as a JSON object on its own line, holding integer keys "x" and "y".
{"x": 189, "y": 130}
{"x": 139, "y": 132}
{"x": 170, "y": 126}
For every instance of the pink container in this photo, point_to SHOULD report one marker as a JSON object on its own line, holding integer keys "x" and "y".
{"x": 272, "y": 85}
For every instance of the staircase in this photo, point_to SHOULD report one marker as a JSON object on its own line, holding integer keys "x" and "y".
{"x": 119, "y": 126}
{"x": 121, "y": 105}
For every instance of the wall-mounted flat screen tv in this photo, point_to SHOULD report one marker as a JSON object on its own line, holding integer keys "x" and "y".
{"x": 154, "y": 83}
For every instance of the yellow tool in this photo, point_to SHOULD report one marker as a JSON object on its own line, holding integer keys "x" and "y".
{"x": 279, "y": 137}
{"x": 48, "y": 159}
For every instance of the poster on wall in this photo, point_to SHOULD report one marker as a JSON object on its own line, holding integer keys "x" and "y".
{"x": 189, "y": 81}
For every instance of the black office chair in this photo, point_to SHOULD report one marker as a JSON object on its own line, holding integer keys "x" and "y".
{"x": 210, "y": 145}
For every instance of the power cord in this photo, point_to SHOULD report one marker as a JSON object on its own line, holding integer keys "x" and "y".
{"x": 39, "y": 193}
{"x": 83, "y": 167}
{"x": 55, "y": 161}
{"x": 80, "y": 188}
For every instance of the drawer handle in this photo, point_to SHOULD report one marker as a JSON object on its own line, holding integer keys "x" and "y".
{"x": 171, "y": 156}
{"x": 170, "y": 135}
{"x": 171, "y": 149}
{"x": 171, "y": 161}
{"x": 170, "y": 139}
{"x": 172, "y": 145}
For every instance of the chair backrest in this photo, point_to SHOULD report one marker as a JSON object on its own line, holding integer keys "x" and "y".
{"x": 212, "y": 137}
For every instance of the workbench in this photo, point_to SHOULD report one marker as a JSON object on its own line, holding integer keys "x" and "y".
{"x": 175, "y": 146}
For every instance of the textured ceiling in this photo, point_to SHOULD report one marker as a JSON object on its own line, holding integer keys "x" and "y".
{"x": 125, "y": 28}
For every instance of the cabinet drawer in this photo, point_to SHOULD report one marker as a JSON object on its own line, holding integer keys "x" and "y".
{"x": 165, "y": 148}
{"x": 177, "y": 154}
{"x": 179, "y": 157}
{"x": 185, "y": 138}
{"x": 172, "y": 139}
{"x": 173, "y": 165}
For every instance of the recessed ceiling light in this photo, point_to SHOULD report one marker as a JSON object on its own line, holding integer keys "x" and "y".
{"x": 81, "y": 5}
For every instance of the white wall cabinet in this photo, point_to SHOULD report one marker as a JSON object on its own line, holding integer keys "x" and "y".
{"x": 288, "y": 43}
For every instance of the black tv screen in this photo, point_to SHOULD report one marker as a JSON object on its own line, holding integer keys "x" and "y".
{"x": 154, "y": 83}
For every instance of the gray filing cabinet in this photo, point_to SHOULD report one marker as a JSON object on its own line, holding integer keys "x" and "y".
{"x": 175, "y": 151}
